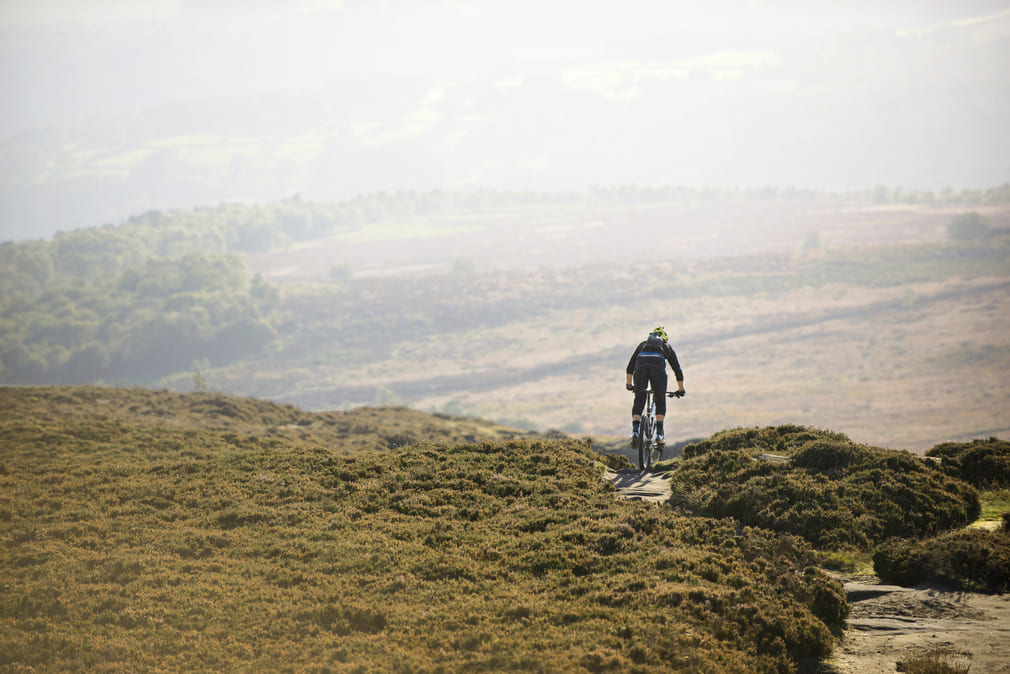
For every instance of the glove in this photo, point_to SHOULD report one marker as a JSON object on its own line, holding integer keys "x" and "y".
{"x": 630, "y": 387}
{"x": 679, "y": 394}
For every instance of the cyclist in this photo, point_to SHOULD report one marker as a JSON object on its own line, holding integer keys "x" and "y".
{"x": 648, "y": 366}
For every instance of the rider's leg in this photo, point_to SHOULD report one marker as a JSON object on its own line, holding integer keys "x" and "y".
{"x": 641, "y": 383}
{"x": 659, "y": 381}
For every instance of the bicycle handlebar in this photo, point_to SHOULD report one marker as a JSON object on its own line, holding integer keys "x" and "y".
{"x": 669, "y": 394}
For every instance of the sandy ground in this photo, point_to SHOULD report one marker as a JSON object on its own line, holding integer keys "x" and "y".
{"x": 889, "y": 624}
{"x": 636, "y": 485}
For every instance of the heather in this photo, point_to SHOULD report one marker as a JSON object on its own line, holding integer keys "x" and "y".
{"x": 150, "y": 530}
{"x": 819, "y": 485}
{"x": 975, "y": 560}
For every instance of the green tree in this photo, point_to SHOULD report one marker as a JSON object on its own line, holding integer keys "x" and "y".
{"x": 86, "y": 364}
{"x": 968, "y": 227}
{"x": 342, "y": 271}
{"x": 811, "y": 239}
{"x": 464, "y": 265}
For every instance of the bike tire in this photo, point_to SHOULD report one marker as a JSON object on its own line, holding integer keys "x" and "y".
{"x": 645, "y": 440}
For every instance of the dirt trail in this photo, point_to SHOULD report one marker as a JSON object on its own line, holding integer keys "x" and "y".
{"x": 889, "y": 624}
{"x": 637, "y": 485}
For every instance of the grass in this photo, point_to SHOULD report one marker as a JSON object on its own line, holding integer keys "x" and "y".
{"x": 840, "y": 343}
{"x": 995, "y": 504}
{"x": 399, "y": 230}
{"x": 854, "y": 562}
{"x": 151, "y": 530}
{"x": 939, "y": 660}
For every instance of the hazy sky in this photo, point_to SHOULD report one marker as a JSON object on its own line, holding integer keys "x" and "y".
{"x": 145, "y": 52}
{"x": 520, "y": 94}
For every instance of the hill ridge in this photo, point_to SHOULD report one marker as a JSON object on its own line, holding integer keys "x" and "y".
{"x": 186, "y": 548}
{"x": 224, "y": 534}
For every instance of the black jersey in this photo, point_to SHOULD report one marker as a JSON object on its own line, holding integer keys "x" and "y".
{"x": 655, "y": 355}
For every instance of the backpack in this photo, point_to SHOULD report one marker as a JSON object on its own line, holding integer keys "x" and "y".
{"x": 654, "y": 343}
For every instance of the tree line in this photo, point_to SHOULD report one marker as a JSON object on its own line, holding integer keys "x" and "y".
{"x": 138, "y": 325}
{"x": 146, "y": 298}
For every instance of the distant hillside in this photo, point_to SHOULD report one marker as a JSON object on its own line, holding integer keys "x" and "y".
{"x": 490, "y": 304}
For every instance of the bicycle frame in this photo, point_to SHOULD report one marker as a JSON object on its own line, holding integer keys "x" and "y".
{"x": 648, "y": 450}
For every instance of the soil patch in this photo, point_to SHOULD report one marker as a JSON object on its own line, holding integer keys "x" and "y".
{"x": 889, "y": 624}
{"x": 639, "y": 485}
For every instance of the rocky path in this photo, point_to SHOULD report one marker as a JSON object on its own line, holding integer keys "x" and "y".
{"x": 889, "y": 624}
{"x": 637, "y": 485}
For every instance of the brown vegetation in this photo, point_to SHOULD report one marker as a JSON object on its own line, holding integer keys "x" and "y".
{"x": 151, "y": 530}
{"x": 821, "y": 486}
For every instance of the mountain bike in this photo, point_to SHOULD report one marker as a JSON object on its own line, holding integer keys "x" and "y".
{"x": 648, "y": 451}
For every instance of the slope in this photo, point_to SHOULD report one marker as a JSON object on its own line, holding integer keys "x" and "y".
{"x": 152, "y": 530}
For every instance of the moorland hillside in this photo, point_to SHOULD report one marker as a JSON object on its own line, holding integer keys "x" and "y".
{"x": 867, "y": 313}
{"x": 208, "y": 532}
{"x": 156, "y": 530}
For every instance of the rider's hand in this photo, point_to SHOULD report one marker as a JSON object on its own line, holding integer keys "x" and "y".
{"x": 679, "y": 394}
{"x": 630, "y": 387}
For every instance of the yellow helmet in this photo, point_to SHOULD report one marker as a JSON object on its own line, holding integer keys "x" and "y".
{"x": 661, "y": 332}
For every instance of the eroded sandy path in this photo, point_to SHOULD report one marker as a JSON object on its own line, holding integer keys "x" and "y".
{"x": 637, "y": 485}
{"x": 889, "y": 624}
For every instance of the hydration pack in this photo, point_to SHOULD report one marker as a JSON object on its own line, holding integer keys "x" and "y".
{"x": 654, "y": 343}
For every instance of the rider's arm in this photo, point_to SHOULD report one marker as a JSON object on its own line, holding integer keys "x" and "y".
{"x": 630, "y": 370}
{"x": 671, "y": 358}
{"x": 631, "y": 363}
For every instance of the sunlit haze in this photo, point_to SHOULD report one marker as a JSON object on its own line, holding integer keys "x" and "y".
{"x": 113, "y": 108}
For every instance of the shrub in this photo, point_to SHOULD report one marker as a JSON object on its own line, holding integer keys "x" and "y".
{"x": 935, "y": 661}
{"x": 342, "y": 271}
{"x": 206, "y": 532}
{"x": 616, "y": 461}
{"x": 972, "y": 559}
{"x": 832, "y": 492}
{"x": 967, "y": 227}
{"x": 771, "y": 439}
{"x": 982, "y": 463}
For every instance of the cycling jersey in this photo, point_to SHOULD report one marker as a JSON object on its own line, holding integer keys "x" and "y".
{"x": 646, "y": 354}
{"x": 648, "y": 368}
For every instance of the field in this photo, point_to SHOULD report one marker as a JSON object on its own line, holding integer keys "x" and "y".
{"x": 882, "y": 330}
{"x": 585, "y": 233}
{"x": 877, "y": 317}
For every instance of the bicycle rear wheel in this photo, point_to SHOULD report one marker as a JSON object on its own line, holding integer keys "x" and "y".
{"x": 645, "y": 440}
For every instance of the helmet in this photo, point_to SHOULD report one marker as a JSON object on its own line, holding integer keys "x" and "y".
{"x": 661, "y": 332}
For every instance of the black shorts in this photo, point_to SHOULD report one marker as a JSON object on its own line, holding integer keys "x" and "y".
{"x": 646, "y": 375}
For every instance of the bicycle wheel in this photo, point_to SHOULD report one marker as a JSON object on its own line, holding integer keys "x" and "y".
{"x": 645, "y": 441}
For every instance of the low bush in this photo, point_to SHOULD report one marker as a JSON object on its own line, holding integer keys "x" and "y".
{"x": 982, "y": 463}
{"x": 937, "y": 660}
{"x": 819, "y": 485}
{"x": 975, "y": 560}
{"x": 154, "y": 531}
